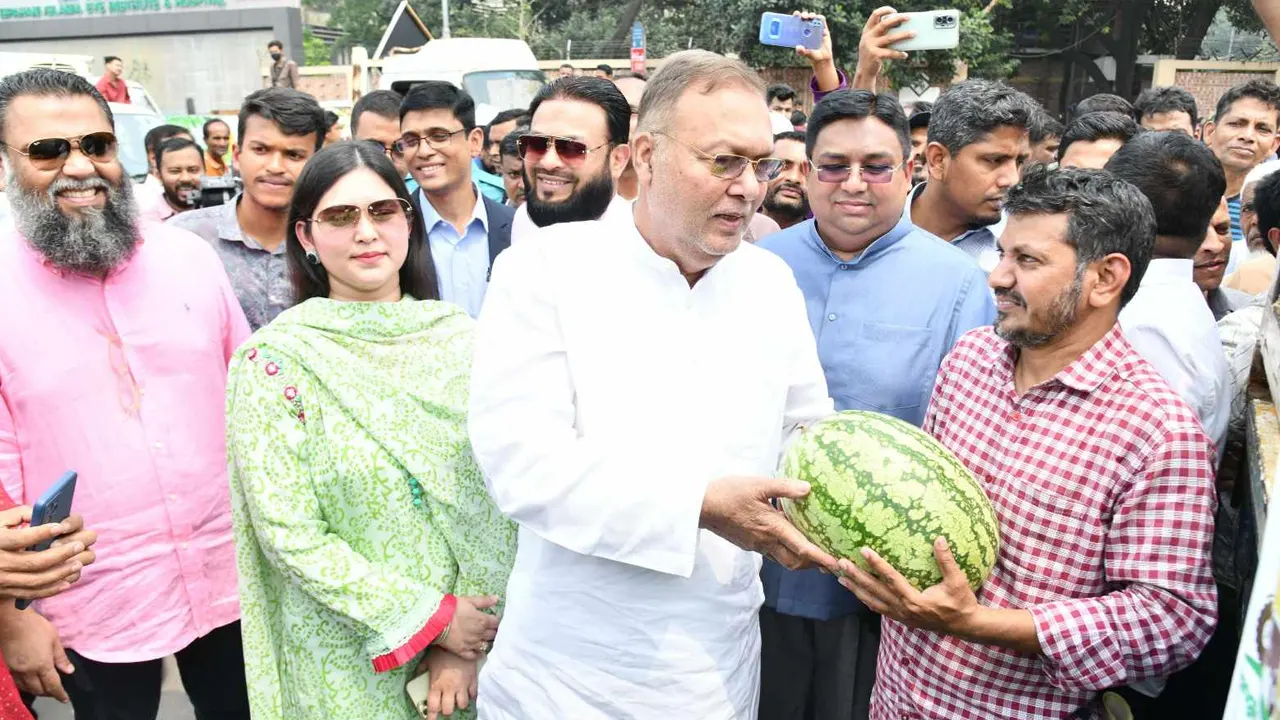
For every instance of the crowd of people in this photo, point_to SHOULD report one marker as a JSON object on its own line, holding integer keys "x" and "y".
{"x": 503, "y": 403}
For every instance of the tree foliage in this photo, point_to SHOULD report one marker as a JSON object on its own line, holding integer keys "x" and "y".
{"x": 991, "y": 30}
{"x": 315, "y": 50}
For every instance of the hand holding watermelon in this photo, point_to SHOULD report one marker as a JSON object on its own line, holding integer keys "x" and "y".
{"x": 947, "y": 607}
{"x": 740, "y": 510}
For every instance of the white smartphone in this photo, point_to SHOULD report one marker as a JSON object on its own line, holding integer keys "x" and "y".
{"x": 934, "y": 29}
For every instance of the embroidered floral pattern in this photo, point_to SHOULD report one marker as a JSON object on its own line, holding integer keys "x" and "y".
{"x": 355, "y": 519}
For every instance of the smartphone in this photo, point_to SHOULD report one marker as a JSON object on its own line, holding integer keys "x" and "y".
{"x": 52, "y": 507}
{"x": 934, "y": 29}
{"x": 789, "y": 31}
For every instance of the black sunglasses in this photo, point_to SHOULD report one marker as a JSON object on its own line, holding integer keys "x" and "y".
{"x": 49, "y": 153}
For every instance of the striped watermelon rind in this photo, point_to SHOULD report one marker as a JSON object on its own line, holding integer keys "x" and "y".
{"x": 878, "y": 482}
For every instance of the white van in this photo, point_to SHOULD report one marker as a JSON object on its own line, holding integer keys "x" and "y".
{"x": 133, "y": 122}
{"x": 499, "y": 74}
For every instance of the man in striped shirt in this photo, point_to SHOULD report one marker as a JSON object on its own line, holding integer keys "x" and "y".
{"x": 1243, "y": 133}
{"x": 1100, "y": 475}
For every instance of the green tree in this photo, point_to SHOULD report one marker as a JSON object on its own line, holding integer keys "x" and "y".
{"x": 315, "y": 49}
{"x": 362, "y": 21}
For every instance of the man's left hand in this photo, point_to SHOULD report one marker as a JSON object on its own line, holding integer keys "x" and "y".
{"x": 948, "y": 607}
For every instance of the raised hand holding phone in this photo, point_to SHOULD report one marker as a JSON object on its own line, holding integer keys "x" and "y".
{"x": 821, "y": 58}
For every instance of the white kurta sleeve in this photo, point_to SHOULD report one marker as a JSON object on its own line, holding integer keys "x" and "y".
{"x": 621, "y": 502}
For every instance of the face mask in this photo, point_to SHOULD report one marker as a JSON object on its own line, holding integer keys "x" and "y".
{"x": 276, "y": 55}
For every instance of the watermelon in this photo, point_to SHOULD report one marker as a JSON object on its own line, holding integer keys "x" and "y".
{"x": 878, "y": 482}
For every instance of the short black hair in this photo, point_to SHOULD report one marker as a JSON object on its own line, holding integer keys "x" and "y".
{"x": 780, "y": 91}
{"x": 793, "y": 135}
{"x": 43, "y": 82}
{"x": 510, "y": 145}
{"x": 799, "y": 118}
{"x": 596, "y": 91}
{"x": 1180, "y": 176}
{"x": 1105, "y": 215}
{"x": 330, "y": 119}
{"x": 159, "y": 134}
{"x": 606, "y": 69}
{"x": 174, "y": 144}
{"x": 441, "y": 95}
{"x": 1156, "y": 100}
{"x": 1266, "y": 198}
{"x": 507, "y": 116}
{"x": 969, "y": 111}
{"x": 920, "y": 115}
{"x": 293, "y": 111}
{"x": 1263, "y": 91}
{"x": 210, "y": 123}
{"x": 276, "y": 44}
{"x": 1098, "y": 126}
{"x": 642, "y": 77}
{"x": 855, "y": 105}
{"x": 1101, "y": 102}
{"x": 322, "y": 172}
{"x": 1043, "y": 126}
{"x": 110, "y": 58}
{"x": 383, "y": 103}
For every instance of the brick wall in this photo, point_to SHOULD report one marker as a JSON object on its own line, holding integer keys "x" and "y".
{"x": 1209, "y": 85}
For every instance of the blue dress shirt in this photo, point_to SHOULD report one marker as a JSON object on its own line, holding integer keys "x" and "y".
{"x": 462, "y": 261}
{"x": 883, "y": 321}
{"x": 489, "y": 184}
{"x": 982, "y": 244}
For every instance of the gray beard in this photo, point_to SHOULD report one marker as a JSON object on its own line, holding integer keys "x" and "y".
{"x": 92, "y": 243}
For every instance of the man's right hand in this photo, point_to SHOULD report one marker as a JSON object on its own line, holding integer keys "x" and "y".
{"x": 33, "y": 653}
{"x": 822, "y": 60}
{"x": 33, "y": 575}
{"x": 874, "y": 46}
{"x": 739, "y": 510}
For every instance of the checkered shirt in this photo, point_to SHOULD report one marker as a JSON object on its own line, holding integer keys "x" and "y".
{"x": 1102, "y": 480}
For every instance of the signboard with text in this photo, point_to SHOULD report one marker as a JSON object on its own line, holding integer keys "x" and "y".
{"x": 637, "y": 48}
{"x": 53, "y": 9}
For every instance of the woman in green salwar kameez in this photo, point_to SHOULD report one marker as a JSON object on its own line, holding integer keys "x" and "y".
{"x": 364, "y": 533}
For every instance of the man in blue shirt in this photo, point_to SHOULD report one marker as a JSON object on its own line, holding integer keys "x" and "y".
{"x": 977, "y": 145}
{"x": 886, "y": 302}
{"x": 465, "y": 229}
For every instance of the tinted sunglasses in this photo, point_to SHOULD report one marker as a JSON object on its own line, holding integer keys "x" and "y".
{"x": 875, "y": 174}
{"x": 569, "y": 150}
{"x": 49, "y": 153}
{"x": 727, "y": 167}
{"x": 345, "y": 217}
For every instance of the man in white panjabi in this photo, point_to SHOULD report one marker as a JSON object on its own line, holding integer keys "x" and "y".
{"x": 634, "y": 381}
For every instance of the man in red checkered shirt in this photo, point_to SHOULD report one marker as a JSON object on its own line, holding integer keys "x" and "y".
{"x": 1100, "y": 475}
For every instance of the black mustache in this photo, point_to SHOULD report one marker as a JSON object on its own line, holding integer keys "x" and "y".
{"x": 1013, "y": 296}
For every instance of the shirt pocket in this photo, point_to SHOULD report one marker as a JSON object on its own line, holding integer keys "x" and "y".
{"x": 889, "y": 368}
{"x": 1061, "y": 541}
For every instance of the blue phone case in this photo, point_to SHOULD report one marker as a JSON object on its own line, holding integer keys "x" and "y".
{"x": 53, "y": 506}
{"x": 789, "y": 31}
